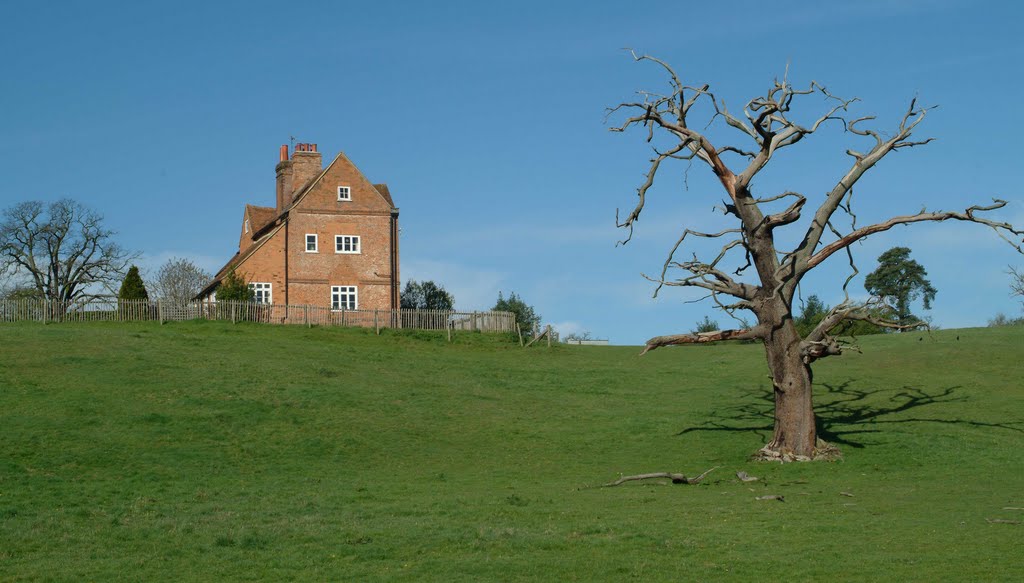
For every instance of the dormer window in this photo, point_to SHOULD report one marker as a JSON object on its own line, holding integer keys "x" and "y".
{"x": 344, "y": 193}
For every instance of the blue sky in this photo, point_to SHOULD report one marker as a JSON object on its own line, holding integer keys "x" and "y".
{"x": 487, "y": 121}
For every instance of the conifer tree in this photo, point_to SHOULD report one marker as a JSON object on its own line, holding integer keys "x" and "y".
{"x": 132, "y": 288}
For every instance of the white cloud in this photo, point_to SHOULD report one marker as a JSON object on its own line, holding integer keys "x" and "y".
{"x": 568, "y": 327}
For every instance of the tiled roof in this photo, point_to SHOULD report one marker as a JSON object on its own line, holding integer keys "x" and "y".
{"x": 260, "y": 216}
{"x": 233, "y": 262}
{"x": 385, "y": 192}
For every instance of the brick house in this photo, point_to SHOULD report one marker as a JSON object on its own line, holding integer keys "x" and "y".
{"x": 331, "y": 240}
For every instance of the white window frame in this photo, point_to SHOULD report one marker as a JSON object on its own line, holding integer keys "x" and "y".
{"x": 246, "y": 225}
{"x": 263, "y": 292}
{"x": 315, "y": 241}
{"x": 350, "y": 292}
{"x": 344, "y": 193}
{"x": 355, "y": 244}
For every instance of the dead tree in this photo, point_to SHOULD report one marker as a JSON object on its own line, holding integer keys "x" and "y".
{"x": 768, "y": 126}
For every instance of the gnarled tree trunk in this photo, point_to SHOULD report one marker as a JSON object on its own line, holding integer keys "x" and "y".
{"x": 795, "y": 433}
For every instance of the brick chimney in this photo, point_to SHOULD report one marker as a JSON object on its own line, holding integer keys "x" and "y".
{"x": 284, "y": 180}
{"x": 306, "y": 165}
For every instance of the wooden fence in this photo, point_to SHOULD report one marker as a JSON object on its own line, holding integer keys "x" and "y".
{"x": 114, "y": 310}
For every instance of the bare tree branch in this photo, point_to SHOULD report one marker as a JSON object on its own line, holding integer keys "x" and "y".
{"x": 1017, "y": 283}
{"x": 819, "y": 344}
{"x": 676, "y": 478}
{"x": 968, "y": 216}
{"x": 798, "y": 263}
{"x": 702, "y": 337}
{"x": 641, "y": 192}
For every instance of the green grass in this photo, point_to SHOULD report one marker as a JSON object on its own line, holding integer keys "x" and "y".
{"x": 208, "y": 451}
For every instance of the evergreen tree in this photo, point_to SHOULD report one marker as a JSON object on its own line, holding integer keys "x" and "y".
{"x": 900, "y": 280}
{"x": 526, "y": 317}
{"x": 814, "y": 312}
{"x": 426, "y": 296}
{"x": 132, "y": 287}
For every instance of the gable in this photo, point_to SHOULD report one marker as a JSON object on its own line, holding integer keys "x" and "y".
{"x": 322, "y": 193}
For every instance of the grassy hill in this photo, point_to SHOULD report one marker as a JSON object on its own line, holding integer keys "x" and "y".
{"x": 207, "y": 451}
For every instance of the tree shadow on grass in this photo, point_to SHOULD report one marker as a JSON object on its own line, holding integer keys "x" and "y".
{"x": 843, "y": 412}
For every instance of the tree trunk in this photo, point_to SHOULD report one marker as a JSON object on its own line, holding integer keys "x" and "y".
{"x": 795, "y": 433}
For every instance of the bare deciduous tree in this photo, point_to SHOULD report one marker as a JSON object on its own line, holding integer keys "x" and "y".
{"x": 179, "y": 280}
{"x": 1017, "y": 283}
{"x": 61, "y": 249}
{"x": 768, "y": 125}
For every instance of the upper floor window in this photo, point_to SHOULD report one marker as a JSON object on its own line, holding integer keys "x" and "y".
{"x": 246, "y": 225}
{"x": 347, "y": 244}
{"x": 344, "y": 193}
{"x": 311, "y": 244}
{"x": 263, "y": 292}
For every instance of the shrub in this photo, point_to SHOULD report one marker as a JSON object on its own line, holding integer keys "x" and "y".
{"x": 234, "y": 288}
{"x": 706, "y": 325}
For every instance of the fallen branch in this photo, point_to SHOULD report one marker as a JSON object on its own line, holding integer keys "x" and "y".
{"x": 676, "y": 478}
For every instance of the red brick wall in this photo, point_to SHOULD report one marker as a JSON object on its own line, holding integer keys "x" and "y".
{"x": 266, "y": 264}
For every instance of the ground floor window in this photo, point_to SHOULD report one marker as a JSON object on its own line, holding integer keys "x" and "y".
{"x": 263, "y": 292}
{"x": 344, "y": 297}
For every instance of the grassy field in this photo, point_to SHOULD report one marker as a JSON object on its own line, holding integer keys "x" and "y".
{"x": 209, "y": 451}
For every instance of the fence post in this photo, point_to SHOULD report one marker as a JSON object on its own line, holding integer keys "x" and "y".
{"x": 46, "y": 308}
{"x": 376, "y": 322}
{"x": 449, "y": 327}
{"x": 305, "y": 311}
{"x": 518, "y": 331}
{"x": 160, "y": 311}
{"x": 549, "y": 335}
{"x": 233, "y": 308}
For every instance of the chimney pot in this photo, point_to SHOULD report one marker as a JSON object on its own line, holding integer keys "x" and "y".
{"x": 314, "y": 147}
{"x": 284, "y": 152}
